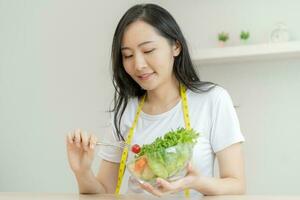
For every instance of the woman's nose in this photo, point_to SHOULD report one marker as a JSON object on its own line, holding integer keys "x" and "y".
{"x": 139, "y": 62}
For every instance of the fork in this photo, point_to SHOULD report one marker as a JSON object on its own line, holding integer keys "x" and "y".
{"x": 120, "y": 144}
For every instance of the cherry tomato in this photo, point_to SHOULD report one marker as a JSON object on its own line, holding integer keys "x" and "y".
{"x": 136, "y": 148}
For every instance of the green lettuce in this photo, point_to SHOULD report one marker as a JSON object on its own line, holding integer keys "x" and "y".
{"x": 167, "y": 155}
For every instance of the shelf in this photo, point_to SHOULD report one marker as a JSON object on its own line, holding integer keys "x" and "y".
{"x": 247, "y": 53}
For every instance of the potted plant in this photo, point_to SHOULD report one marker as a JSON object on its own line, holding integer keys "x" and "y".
{"x": 223, "y": 37}
{"x": 244, "y": 36}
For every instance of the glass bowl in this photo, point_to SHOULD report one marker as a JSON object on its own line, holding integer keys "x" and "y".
{"x": 169, "y": 163}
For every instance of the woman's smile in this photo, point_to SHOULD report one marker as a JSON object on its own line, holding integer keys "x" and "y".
{"x": 146, "y": 76}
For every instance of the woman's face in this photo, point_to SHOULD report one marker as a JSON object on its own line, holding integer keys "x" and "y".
{"x": 147, "y": 56}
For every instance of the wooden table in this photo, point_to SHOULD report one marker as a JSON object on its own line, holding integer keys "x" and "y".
{"x": 54, "y": 196}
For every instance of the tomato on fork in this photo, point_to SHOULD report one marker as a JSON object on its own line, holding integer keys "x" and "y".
{"x": 135, "y": 148}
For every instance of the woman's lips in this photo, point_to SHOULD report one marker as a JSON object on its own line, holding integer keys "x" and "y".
{"x": 145, "y": 76}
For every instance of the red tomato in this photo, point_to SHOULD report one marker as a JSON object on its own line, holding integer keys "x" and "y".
{"x": 135, "y": 148}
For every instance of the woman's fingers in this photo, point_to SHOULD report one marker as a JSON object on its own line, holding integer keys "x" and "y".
{"x": 151, "y": 189}
{"x": 77, "y": 138}
{"x": 69, "y": 138}
{"x": 82, "y": 139}
{"x": 85, "y": 140}
{"x": 93, "y": 141}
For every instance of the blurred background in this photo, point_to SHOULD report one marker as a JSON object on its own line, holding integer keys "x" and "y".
{"x": 55, "y": 76}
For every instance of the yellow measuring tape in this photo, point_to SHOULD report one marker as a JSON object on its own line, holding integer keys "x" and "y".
{"x": 128, "y": 141}
{"x": 186, "y": 118}
{"x": 131, "y": 130}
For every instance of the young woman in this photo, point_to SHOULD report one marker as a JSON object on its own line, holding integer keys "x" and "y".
{"x": 151, "y": 61}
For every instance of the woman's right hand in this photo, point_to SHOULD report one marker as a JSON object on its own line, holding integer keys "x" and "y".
{"x": 80, "y": 149}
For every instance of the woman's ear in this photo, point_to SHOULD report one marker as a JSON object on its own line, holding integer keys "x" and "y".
{"x": 176, "y": 49}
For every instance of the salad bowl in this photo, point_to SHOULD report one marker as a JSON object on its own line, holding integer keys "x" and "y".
{"x": 167, "y": 157}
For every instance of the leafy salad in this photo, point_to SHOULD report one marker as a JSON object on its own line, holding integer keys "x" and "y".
{"x": 165, "y": 157}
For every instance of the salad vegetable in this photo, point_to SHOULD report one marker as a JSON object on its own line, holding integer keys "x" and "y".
{"x": 136, "y": 148}
{"x": 166, "y": 156}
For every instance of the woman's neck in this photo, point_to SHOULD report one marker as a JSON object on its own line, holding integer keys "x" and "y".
{"x": 163, "y": 98}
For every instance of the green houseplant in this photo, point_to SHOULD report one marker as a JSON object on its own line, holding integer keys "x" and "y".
{"x": 223, "y": 37}
{"x": 244, "y": 36}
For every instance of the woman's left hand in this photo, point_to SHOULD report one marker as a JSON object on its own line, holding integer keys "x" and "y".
{"x": 164, "y": 187}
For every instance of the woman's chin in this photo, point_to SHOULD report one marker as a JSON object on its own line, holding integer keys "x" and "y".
{"x": 148, "y": 86}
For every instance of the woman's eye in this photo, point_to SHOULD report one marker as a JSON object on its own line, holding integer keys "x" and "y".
{"x": 149, "y": 51}
{"x": 129, "y": 56}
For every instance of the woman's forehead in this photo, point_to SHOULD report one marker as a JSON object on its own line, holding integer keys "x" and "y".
{"x": 138, "y": 33}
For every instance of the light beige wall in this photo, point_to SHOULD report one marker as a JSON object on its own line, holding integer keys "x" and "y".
{"x": 54, "y": 77}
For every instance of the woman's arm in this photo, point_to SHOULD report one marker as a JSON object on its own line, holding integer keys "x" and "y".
{"x": 104, "y": 182}
{"x": 81, "y": 150}
{"x": 108, "y": 175}
{"x": 231, "y": 170}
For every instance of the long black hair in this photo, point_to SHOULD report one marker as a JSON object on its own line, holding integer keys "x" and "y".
{"x": 166, "y": 26}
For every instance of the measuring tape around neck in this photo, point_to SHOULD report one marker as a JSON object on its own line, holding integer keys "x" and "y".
{"x": 131, "y": 131}
{"x": 186, "y": 117}
{"x": 128, "y": 141}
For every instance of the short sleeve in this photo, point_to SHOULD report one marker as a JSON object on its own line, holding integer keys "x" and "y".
{"x": 225, "y": 129}
{"x": 110, "y": 153}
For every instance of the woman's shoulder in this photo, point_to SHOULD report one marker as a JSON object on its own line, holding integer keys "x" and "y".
{"x": 210, "y": 100}
{"x": 212, "y": 93}
{"x": 131, "y": 108}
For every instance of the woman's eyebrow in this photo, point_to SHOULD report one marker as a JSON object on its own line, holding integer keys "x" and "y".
{"x": 141, "y": 44}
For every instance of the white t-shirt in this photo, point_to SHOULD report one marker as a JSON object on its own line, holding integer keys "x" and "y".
{"x": 212, "y": 114}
